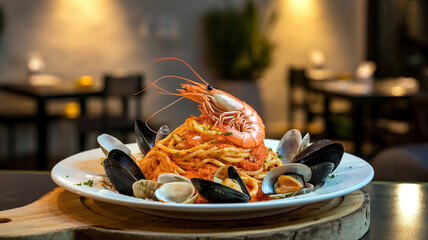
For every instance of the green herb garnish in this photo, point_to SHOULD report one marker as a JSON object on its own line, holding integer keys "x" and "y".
{"x": 227, "y": 134}
{"x": 279, "y": 156}
{"x": 176, "y": 154}
{"x": 66, "y": 175}
{"x": 78, "y": 184}
{"x": 89, "y": 183}
{"x": 270, "y": 149}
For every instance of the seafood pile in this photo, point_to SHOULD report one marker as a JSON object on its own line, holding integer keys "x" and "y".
{"x": 304, "y": 167}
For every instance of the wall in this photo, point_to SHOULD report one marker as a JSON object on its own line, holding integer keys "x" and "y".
{"x": 93, "y": 37}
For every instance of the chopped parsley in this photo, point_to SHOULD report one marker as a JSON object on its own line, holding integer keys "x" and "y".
{"x": 332, "y": 175}
{"x": 279, "y": 156}
{"x": 176, "y": 154}
{"x": 270, "y": 149}
{"x": 227, "y": 134}
{"x": 89, "y": 183}
{"x": 66, "y": 175}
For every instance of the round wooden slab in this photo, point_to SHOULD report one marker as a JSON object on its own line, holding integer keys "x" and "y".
{"x": 66, "y": 215}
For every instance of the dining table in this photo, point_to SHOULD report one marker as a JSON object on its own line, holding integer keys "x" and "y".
{"x": 398, "y": 210}
{"x": 42, "y": 94}
{"x": 361, "y": 95}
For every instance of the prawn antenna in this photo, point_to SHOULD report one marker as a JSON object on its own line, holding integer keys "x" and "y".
{"x": 160, "y": 110}
{"x": 153, "y": 83}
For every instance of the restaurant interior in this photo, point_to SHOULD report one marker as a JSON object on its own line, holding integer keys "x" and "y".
{"x": 352, "y": 71}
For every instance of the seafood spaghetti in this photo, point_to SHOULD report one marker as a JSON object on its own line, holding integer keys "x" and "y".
{"x": 218, "y": 157}
{"x": 228, "y": 132}
{"x": 197, "y": 149}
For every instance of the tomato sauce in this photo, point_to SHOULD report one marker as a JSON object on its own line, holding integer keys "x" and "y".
{"x": 256, "y": 160}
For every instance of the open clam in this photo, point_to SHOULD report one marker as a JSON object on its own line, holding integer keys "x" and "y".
{"x": 169, "y": 187}
{"x": 122, "y": 171}
{"x": 287, "y": 180}
{"x": 231, "y": 189}
{"x": 322, "y": 156}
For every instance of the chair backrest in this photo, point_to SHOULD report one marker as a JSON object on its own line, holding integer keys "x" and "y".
{"x": 123, "y": 87}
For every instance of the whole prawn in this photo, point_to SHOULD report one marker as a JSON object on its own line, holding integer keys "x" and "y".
{"x": 237, "y": 120}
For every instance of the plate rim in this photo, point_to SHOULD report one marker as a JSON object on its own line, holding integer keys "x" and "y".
{"x": 226, "y": 207}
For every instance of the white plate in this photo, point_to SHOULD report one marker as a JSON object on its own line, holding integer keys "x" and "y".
{"x": 352, "y": 174}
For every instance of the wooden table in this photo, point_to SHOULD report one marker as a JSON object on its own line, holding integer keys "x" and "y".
{"x": 398, "y": 210}
{"x": 360, "y": 97}
{"x": 43, "y": 94}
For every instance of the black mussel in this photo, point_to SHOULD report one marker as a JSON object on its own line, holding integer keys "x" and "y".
{"x": 127, "y": 162}
{"x": 219, "y": 193}
{"x": 320, "y": 172}
{"x": 233, "y": 174}
{"x": 119, "y": 176}
{"x": 162, "y": 133}
{"x": 146, "y": 138}
{"x": 320, "y": 152}
{"x": 122, "y": 171}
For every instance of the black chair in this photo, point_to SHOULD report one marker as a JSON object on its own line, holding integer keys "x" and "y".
{"x": 302, "y": 99}
{"x": 115, "y": 87}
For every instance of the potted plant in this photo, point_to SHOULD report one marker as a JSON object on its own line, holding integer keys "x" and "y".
{"x": 238, "y": 50}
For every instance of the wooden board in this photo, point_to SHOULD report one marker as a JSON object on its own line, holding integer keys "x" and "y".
{"x": 65, "y": 215}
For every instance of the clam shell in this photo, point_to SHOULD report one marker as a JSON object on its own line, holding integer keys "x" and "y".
{"x": 171, "y": 177}
{"x": 289, "y": 145}
{"x": 175, "y": 192}
{"x": 271, "y": 178}
{"x": 145, "y": 189}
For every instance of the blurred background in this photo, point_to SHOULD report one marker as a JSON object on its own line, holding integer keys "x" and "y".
{"x": 352, "y": 71}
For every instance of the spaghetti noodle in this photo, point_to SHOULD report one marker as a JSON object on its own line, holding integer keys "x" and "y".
{"x": 198, "y": 148}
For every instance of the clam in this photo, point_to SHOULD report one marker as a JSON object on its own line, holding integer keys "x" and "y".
{"x": 291, "y": 144}
{"x": 287, "y": 180}
{"x": 169, "y": 187}
{"x": 145, "y": 189}
{"x": 108, "y": 143}
{"x": 175, "y": 189}
{"x": 122, "y": 171}
{"x": 231, "y": 189}
{"x": 176, "y": 192}
{"x": 322, "y": 156}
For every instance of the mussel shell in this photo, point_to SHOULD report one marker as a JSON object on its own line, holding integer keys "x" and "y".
{"x": 108, "y": 143}
{"x": 127, "y": 162}
{"x": 119, "y": 176}
{"x": 163, "y": 132}
{"x": 218, "y": 193}
{"x": 233, "y": 174}
{"x": 321, "y": 151}
{"x": 146, "y": 139}
{"x": 320, "y": 172}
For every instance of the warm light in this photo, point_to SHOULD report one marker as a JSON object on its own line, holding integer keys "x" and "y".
{"x": 398, "y": 91}
{"x": 300, "y": 6}
{"x": 72, "y": 110}
{"x": 408, "y": 199}
{"x": 86, "y": 80}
